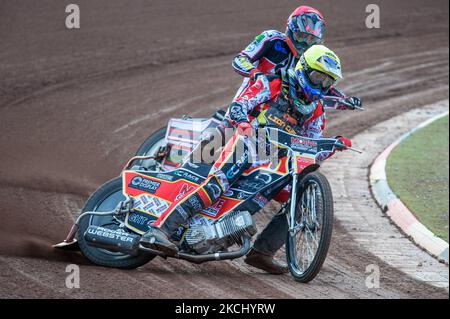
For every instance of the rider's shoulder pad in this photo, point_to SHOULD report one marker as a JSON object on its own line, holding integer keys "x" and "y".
{"x": 271, "y": 34}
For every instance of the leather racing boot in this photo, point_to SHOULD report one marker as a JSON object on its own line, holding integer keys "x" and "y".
{"x": 158, "y": 237}
{"x": 265, "y": 262}
{"x": 155, "y": 238}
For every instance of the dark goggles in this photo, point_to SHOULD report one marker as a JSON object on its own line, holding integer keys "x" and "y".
{"x": 320, "y": 79}
{"x": 307, "y": 38}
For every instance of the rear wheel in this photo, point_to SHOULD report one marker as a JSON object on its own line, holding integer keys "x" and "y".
{"x": 307, "y": 246}
{"x": 151, "y": 146}
{"x": 106, "y": 198}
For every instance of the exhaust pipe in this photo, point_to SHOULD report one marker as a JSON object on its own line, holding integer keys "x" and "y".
{"x": 113, "y": 240}
{"x": 198, "y": 259}
{"x": 127, "y": 243}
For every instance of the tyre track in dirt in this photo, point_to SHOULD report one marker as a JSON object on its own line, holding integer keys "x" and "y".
{"x": 73, "y": 115}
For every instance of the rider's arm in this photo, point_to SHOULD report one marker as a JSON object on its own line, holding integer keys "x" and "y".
{"x": 264, "y": 89}
{"x": 314, "y": 129}
{"x": 246, "y": 62}
{"x": 334, "y": 104}
{"x": 243, "y": 65}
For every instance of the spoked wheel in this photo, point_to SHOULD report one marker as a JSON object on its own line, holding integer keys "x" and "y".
{"x": 105, "y": 199}
{"x": 307, "y": 245}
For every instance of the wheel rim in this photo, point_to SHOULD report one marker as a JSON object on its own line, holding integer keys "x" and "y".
{"x": 308, "y": 228}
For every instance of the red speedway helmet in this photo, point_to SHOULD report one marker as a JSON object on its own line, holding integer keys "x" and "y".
{"x": 305, "y": 27}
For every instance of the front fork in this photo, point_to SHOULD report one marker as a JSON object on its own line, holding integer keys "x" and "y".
{"x": 293, "y": 206}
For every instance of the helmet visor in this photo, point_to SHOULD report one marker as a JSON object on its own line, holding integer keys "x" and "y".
{"x": 311, "y": 24}
{"x": 309, "y": 39}
{"x": 322, "y": 80}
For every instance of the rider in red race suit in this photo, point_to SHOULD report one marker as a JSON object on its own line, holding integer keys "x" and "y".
{"x": 299, "y": 98}
{"x": 269, "y": 53}
{"x": 273, "y": 51}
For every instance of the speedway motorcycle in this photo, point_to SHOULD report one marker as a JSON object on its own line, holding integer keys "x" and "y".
{"x": 118, "y": 213}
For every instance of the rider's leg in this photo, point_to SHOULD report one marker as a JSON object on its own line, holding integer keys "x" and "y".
{"x": 273, "y": 236}
{"x": 268, "y": 242}
{"x": 189, "y": 204}
{"x": 233, "y": 160}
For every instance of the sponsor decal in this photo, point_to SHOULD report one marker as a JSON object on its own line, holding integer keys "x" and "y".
{"x": 251, "y": 49}
{"x": 165, "y": 177}
{"x": 195, "y": 202}
{"x": 281, "y": 123}
{"x": 303, "y": 162}
{"x": 179, "y": 231}
{"x": 158, "y": 210}
{"x": 214, "y": 209}
{"x": 243, "y": 195}
{"x": 150, "y": 204}
{"x": 260, "y": 200}
{"x": 245, "y": 63}
{"x": 182, "y": 211}
{"x": 259, "y": 38}
{"x": 215, "y": 190}
{"x": 251, "y": 186}
{"x": 185, "y": 188}
{"x": 199, "y": 220}
{"x": 138, "y": 219}
{"x": 303, "y": 144}
{"x": 144, "y": 184}
{"x": 107, "y": 233}
{"x": 178, "y": 235}
{"x": 222, "y": 179}
{"x": 234, "y": 170}
{"x": 186, "y": 175}
{"x": 263, "y": 177}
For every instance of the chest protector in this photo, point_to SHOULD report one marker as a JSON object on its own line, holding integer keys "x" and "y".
{"x": 273, "y": 114}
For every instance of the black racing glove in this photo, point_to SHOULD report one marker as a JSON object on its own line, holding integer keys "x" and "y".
{"x": 354, "y": 102}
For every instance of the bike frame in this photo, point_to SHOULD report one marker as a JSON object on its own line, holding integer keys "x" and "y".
{"x": 302, "y": 153}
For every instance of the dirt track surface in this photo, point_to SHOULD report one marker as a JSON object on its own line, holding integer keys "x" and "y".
{"x": 75, "y": 105}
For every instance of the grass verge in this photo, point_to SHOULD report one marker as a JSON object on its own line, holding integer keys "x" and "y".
{"x": 418, "y": 172}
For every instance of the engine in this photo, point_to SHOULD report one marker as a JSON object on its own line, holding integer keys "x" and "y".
{"x": 227, "y": 231}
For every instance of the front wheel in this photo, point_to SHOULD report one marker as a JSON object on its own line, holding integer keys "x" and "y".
{"x": 307, "y": 245}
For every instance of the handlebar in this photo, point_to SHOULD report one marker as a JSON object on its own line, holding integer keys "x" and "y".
{"x": 341, "y": 145}
{"x": 330, "y": 141}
